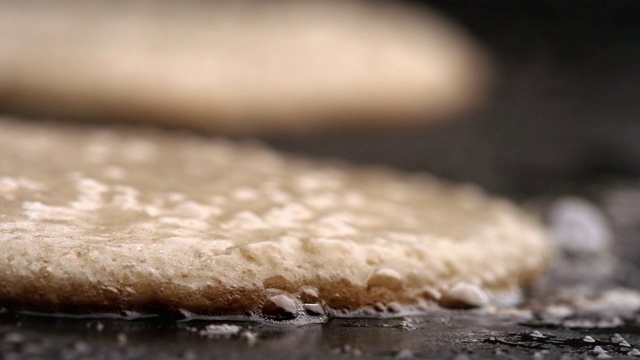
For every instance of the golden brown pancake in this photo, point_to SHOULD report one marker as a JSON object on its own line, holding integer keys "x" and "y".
{"x": 104, "y": 219}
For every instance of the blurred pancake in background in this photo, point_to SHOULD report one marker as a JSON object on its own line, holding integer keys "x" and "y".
{"x": 237, "y": 67}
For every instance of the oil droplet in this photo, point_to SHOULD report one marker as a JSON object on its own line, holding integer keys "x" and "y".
{"x": 404, "y": 354}
{"x": 634, "y": 352}
{"x": 81, "y": 347}
{"x": 405, "y": 325}
{"x": 617, "y": 338}
{"x": 122, "y": 339}
{"x": 599, "y": 350}
{"x": 250, "y": 337}
{"x": 588, "y": 339}
{"x": 314, "y": 309}
{"x": 220, "y": 330}
{"x": 537, "y": 335}
{"x": 280, "y": 307}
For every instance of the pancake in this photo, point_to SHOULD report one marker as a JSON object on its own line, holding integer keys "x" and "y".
{"x": 237, "y": 67}
{"x": 108, "y": 218}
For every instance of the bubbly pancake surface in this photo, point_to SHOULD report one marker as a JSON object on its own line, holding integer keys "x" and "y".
{"x": 102, "y": 219}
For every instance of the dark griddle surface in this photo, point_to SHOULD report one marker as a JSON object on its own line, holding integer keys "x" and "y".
{"x": 442, "y": 334}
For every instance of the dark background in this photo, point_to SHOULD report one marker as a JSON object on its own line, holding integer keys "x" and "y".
{"x": 564, "y": 108}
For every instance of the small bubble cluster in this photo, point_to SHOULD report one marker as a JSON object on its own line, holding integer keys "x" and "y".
{"x": 300, "y": 308}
